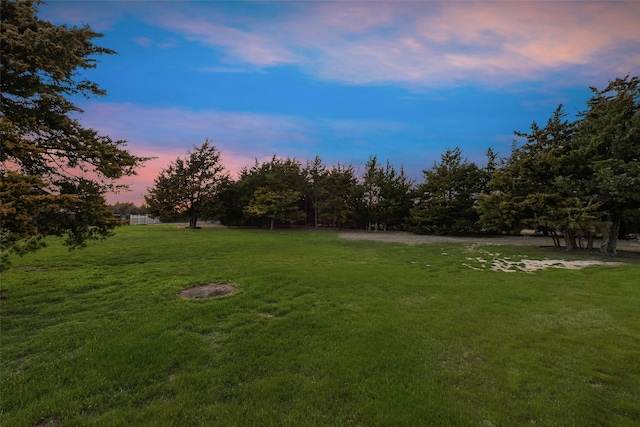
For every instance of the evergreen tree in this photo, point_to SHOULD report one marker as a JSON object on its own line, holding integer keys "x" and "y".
{"x": 396, "y": 197}
{"x": 316, "y": 179}
{"x": 372, "y": 183}
{"x": 55, "y": 172}
{"x": 189, "y": 187}
{"x": 608, "y": 136}
{"x": 341, "y": 197}
{"x": 574, "y": 178}
{"x": 275, "y": 191}
{"x": 445, "y": 200}
{"x": 539, "y": 186}
{"x": 282, "y": 205}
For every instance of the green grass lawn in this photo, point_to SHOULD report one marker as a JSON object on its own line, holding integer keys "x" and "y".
{"x": 322, "y": 331}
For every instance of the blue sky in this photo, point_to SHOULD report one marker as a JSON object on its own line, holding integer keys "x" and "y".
{"x": 343, "y": 80}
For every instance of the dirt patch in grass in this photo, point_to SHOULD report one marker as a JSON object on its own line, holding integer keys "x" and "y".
{"x": 207, "y": 290}
{"x": 629, "y": 246}
{"x": 46, "y": 423}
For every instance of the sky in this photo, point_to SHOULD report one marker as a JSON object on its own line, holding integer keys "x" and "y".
{"x": 343, "y": 80}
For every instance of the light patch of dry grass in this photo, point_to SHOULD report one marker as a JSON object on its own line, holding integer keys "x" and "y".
{"x": 497, "y": 262}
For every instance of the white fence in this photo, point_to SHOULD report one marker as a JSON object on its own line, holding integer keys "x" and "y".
{"x": 143, "y": 220}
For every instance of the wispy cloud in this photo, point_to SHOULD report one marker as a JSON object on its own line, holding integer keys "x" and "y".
{"x": 143, "y": 41}
{"x": 228, "y": 70}
{"x": 147, "y": 43}
{"x": 243, "y": 46}
{"x": 416, "y": 44}
{"x": 153, "y": 127}
{"x": 425, "y": 44}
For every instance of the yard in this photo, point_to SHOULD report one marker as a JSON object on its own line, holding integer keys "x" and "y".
{"x": 321, "y": 330}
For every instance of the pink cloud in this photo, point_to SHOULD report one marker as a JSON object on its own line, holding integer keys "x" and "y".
{"x": 425, "y": 44}
{"x": 417, "y": 44}
{"x": 491, "y": 42}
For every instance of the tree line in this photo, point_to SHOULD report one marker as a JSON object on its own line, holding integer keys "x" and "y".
{"x": 571, "y": 179}
{"x": 281, "y": 191}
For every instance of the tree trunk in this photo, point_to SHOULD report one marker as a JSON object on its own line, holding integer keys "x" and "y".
{"x": 556, "y": 239}
{"x": 610, "y": 237}
{"x": 570, "y": 240}
{"x": 590, "y": 242}
{"x": 192, "y": 221}
{"x": 272, "y": 224}
{"x": 622, "y": 230}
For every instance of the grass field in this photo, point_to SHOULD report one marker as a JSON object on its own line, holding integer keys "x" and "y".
{"x": 322, "y": 331}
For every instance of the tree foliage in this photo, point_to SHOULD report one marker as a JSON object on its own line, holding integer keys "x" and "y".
{"x": 386, "y": 195}
{"x": 128, "y": 208}
{"x": 341, "y": 197}
{"x": 396, "y": 197}
{"x": 189, "y": 187}
{"x": 277, "y": 184}
{"x": 316, "y": 175}
{"x": 55, "y": 172}
{"x": 372, "y": 182}
{"x": 578, "y": 178}
{"x": 445, "y": 200}
{"x": 279, "y": 205}
{"x": 609, "y": 136}
{"x": 538, "y": 185}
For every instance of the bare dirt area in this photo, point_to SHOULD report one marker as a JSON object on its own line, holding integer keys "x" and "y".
{"x": 418, "y": 239}
{"x": 207, "y": 290}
